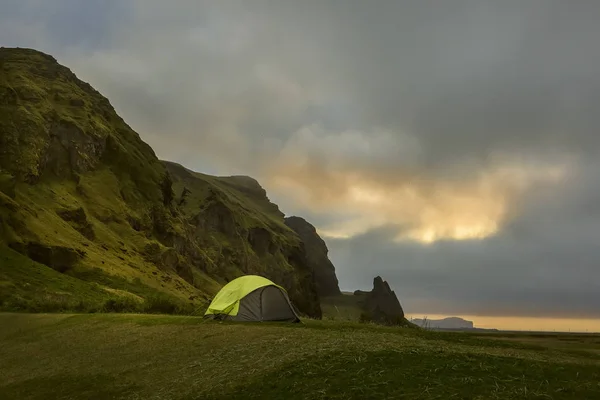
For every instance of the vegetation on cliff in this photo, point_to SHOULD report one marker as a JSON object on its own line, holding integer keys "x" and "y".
{"x": 90, "y": 217}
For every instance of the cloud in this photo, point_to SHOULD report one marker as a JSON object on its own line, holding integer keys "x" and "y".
{"x": 375, "y": 180}
{"x": 450, "y": 148}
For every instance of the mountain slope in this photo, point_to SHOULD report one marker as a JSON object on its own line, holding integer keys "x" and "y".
{"x": 84, "y": 198}
{"x": 242, "y": 232}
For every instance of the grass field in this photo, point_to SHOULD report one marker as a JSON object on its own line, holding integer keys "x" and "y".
{"x": 344, "y": 307}
{"x": 120, "y": 356}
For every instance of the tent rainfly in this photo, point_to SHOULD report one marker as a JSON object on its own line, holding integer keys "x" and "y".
{"x": 252, "y": 298}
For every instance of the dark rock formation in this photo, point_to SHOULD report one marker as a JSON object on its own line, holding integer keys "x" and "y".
{"x": 77, "y": 218}
{"x": 324, "y": 271}
{"x": 7, "y": 185}
{"x": 381, "y": 305}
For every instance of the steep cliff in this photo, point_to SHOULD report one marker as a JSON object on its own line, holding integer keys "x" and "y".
{"x": 327, "y": 283}
{"x": 87, "y": 205}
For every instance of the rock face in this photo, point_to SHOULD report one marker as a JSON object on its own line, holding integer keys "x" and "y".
{"x": 316, "y": 249}
{"x": 80, "y": 191}
{"x": 78, "y": 220}
{"x": 381, "y": 305}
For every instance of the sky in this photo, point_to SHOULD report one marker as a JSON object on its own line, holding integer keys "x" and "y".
{"x": 450, "y": 147}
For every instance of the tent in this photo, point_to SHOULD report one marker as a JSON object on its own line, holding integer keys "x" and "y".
{"x": 252, "y": 298}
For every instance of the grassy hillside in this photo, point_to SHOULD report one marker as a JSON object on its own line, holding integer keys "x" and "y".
{"x": 87, "y": 206}
{"x": 64, "y": 357}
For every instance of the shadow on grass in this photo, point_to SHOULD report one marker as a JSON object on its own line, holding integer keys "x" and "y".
{"x": 89, "y": 387}
{"x": 379, "y": 375}
{"x": 461, "y": 338}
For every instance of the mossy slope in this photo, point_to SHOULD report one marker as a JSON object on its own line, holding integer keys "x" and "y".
{"x": 80, "y": 192}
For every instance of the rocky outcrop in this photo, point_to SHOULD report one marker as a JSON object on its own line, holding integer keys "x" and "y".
{"x": 70, "y": 150}
{"x": 324, "y": 271}
{"x": 381, "y": 305}
{"x": 77, "y": 218}
{"x": 59, "y": 258}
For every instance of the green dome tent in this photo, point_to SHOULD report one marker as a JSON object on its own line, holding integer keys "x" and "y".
{"x": 252, "y": 298}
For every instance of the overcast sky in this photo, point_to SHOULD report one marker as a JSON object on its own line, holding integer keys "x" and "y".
{"x": 449, "y": 146}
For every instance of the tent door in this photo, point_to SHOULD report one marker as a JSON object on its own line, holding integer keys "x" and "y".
{"x": 275, "y": 306}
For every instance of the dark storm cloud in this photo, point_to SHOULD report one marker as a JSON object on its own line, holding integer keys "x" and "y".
{"x": 393, "y": 116}
{"x": 68, "y": 23}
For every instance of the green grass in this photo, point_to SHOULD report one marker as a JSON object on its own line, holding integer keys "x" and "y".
{"x": 344, "y": 307}
{"x": 116, "y": 356}
{"x": 117, "y": 249}
{"x": 27, "y": 286}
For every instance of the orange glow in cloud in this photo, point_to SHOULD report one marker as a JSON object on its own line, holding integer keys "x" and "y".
{"x": 427, "y": 209}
